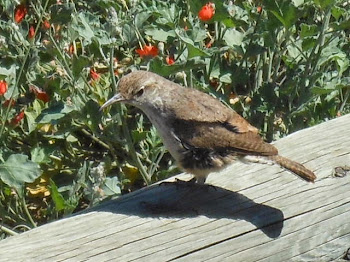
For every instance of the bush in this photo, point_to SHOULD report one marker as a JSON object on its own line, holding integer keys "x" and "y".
{"x": 283, "y": 66}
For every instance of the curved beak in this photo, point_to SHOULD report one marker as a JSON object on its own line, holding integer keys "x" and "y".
{"x": 116, "y": 98}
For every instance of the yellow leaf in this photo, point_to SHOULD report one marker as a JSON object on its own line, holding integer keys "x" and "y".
{"x": 131, "y": 173}
{"x": 39, "y": 188}
{"x": 46, "y": 127}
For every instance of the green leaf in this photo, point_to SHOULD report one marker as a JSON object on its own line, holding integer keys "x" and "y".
{"x": 254, "y": 50}
{"x": 30, "y": 117}
{"x": 56, "y": 196}
{"x": 157, "y": 66}
{"x": 226, "y": 78}
{"x": 61, "y": 13}
{"x": 40, "y": 155}
{"x": 128, "y": 33}
{"x": 138, "y": 136}
{"x": 298, "y": 2}
{"x": 141, "y": 18}
{"x": 78, "y": 64}
{"x": 337, "y": 12}
{"x": 168, "y": 16}
{"x": 4, "y": 71}
{"x": 345, "y": 82}
{"x": 308, "y": 43}
{"x": 195, "y": 6}
{"x": 53, "y": 113}
{"x": 91, "y": 115}
{"x": 325, "y": 3}
{"x": 284, "y": 11}
{"x": 111, "y": 186}
{"x": 17, "y": 170}
{"x": 343, "y": 25}
{"x": 198, "y": 34}
{"x": 321, "y": 91}
{"x": 233, "y": 37}
{"x": 193, "y": 51}
{"x": 81, "y": 24}
{"x": 102, "y": 38}
{"x": 160, "y": 34}
{"x": 229, "y": 22}
{"x": 308, "y": 30}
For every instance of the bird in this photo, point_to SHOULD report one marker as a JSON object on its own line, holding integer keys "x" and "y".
{"x": 201, "y": 133}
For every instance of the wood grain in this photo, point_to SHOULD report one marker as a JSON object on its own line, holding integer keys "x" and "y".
{"x": 255, "y": 212}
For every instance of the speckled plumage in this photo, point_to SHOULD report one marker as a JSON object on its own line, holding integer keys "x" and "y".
{"x": 201, "y": 133}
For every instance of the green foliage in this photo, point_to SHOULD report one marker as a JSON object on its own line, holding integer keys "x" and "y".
{"x": 17, "y": 170}
{"x": 283, "y": 65}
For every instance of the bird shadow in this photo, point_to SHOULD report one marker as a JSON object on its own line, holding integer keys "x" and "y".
{"x": 175, "y": 200}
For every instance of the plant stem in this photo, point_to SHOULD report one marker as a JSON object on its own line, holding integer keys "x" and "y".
{"x": 95, "y": 139}
{"x": 126, "y": 130}
{"x": 8, "y": 231}
{"x": 312, "y": 62}
{"x": 27, "y": 212}
{"x": 65, "y": 64}
{"x": 345, "y": 99}
{"x": 24, "y": 64}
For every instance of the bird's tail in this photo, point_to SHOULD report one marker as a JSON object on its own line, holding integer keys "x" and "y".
{"x": 295, "y": 167}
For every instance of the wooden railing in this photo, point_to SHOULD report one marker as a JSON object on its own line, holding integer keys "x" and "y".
{"x": 252, "y": 212}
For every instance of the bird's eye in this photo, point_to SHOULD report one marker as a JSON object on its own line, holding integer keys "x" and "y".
{"x": 140, "y": 91}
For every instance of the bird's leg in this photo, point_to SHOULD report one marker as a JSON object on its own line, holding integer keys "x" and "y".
{"x": 195, "y": 182}
{"x": 192, "y": 181}
{"x": 179, "y": 182}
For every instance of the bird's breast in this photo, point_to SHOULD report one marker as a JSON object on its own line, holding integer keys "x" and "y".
{"x": 198, "y": 161}
{"x": 165, "y": 131}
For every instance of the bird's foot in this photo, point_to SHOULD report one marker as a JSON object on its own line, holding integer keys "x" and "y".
{"x": 193, "y": 182}
{"x": 179, "y": 182}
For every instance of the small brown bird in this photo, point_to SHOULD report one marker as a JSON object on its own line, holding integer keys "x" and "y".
{"x": 201, "y": 133}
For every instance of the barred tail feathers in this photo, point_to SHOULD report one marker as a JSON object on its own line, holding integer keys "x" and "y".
{"x": 294, "y": 167}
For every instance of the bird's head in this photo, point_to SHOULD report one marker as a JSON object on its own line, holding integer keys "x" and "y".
{"x": 138, "y": 88}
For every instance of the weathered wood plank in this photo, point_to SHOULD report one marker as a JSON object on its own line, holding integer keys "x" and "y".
{"x": 255, "y": 213}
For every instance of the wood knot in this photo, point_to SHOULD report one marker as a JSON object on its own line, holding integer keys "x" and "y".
{"x": 341, "y": 171}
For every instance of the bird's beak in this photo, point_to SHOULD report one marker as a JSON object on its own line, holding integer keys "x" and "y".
{"x": 116, "y": 98}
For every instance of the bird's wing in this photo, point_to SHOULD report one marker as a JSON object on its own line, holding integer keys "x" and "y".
{"x": 209, "y": 124}
{"x": 201, "y": 107}
{"x": 222, "y": 136}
